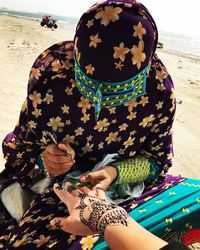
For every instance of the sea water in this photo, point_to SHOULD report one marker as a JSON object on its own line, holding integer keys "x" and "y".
{"x": 63, "y": 19}
{"x": 180, "y": 42}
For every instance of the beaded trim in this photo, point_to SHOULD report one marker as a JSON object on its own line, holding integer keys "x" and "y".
{"x": 105, "y": 94}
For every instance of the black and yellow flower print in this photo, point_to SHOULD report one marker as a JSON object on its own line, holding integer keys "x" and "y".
{"x": 142, "y": 126}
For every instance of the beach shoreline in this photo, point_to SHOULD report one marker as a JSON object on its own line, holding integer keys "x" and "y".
{"x": 23, "y": 39}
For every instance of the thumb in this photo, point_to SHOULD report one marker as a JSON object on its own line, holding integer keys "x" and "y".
{"x": 100, "y": 191}
{"x": 64, "y": 147}
{"x": 61, "y": 223}
{"x": 94, "y": 176}
{"x": 62, "y": 193}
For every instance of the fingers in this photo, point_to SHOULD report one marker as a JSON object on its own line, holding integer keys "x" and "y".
{"x": 100, "y": 192}
{"x": 57, "y": 158}
{"x": 98, "y": 177}
{"x": 63, "y": 194}
{"x": 85, "y": 190}
{"x": 67, "y": 149}
{"x": 54, "y": 150}
{"x": 104, "y": 176}
{"x": 97, "y": 190}
{"x": 56, "y": 161}
{"x": 71, "y": 225}
{"x": 61, "y": 224}
{"x": 74, "y": 191}
{"x": 56, "y": 171}
{"x": 93, "y": 176}
{"x": 71, "y": 190}
{"x": 55, "y": 155}
{"x": 57, "y": 166}
{"x": 66, "y": 194}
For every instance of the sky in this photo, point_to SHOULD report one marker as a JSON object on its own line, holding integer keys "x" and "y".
{"x": 179, "y": 16}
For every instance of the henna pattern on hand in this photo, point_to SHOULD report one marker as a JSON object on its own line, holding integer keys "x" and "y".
{"x": 101, "y": 213}
{"x": 71, "y": 189}
{"x": 99, "y": 188}
{"x": 112, "y": 218}
{"x": 59, "y": 188}
{"x": 58, "y": 225}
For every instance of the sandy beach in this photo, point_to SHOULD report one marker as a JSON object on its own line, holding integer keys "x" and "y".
{"x": 22, "y": 40}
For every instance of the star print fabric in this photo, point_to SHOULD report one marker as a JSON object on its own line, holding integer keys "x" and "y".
{"x": 139, "y": 127}
{"x": 115, "y": 40}
{"x": 142, "y": 126}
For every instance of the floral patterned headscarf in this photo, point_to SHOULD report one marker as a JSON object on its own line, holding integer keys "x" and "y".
{"x": 114, "y": 44}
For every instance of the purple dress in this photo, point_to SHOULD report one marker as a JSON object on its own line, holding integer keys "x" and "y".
{"x": 143, "y": 126}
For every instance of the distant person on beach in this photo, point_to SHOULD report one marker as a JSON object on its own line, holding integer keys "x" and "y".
{"x": 100, "y": 107}
{"x": 46, "y": 19}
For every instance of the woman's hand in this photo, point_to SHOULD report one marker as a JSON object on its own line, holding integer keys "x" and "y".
{"x": 91, "y": 213}
{"x": 103, "y": 177}
{"x": 72, "y": 199}
{"x": 58, "y": 159}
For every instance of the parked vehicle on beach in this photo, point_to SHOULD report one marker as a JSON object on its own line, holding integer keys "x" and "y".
{"x": 49, "y": 22}
{"x": 160, "y": 45}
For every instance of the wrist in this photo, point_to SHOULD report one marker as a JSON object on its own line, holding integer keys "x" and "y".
{"x": 114, "y": 217}
{"x": 115, "y": 166}
{"x": 112, "y": 172}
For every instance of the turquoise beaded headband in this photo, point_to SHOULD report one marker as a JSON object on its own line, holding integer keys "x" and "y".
{"x": 105, "y": 94}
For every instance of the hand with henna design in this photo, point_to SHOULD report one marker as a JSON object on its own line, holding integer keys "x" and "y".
{"x": 89, "y": 210}
{"x": 91, "y": 213}
{"x": 103, "y": 177}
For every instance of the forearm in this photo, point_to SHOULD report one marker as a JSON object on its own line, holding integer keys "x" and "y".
{"x": 133, "y": 237}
